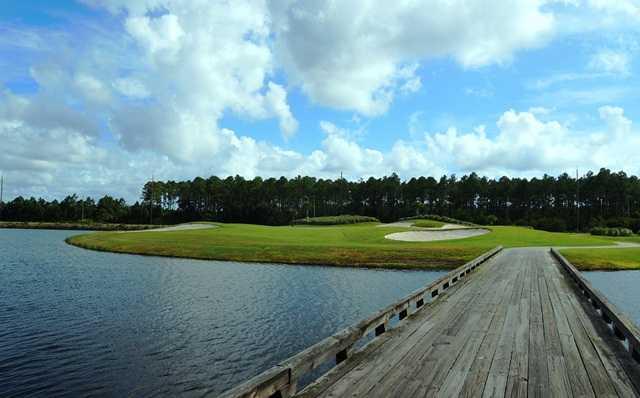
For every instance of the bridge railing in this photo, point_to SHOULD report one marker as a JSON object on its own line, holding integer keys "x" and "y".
{"x": 622, "y": 327}
{"x": 282, "y": 379}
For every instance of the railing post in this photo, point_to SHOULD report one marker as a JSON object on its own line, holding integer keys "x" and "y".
{"x": 619, "y": 334}
{"x": 380, "y": 329}
{"x": 343, "y": 355}
{"x": 634, "y": 348}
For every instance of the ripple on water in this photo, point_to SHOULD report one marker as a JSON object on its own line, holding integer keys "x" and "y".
{"x": 84, "y": 323}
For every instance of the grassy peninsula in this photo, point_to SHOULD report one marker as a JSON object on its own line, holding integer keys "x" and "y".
{"x": 339, "y": 245}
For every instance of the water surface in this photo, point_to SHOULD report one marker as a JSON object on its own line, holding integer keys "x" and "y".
{"x": 622, "y": 288}
{"x": 78, "y": 322}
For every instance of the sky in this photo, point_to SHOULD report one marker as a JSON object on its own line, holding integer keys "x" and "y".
{"x": 99, "y": 96}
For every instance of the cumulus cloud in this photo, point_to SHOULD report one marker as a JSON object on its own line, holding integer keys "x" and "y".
{"x": 525, "y": 144}
{"x": 149, "y": 94}
{"x": 356, "y": 55}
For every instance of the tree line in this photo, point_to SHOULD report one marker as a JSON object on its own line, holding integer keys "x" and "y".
{"x": 605, "y": 199}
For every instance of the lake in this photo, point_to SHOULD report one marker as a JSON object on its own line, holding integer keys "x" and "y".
{"x": 78, "y": 322}
{"x": 622, "y": 288}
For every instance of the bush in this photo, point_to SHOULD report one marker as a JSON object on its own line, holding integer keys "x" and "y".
{"x": 550, "y": 224}
{"x": 334, "y": 220}
{"x": 604, "y": 231}
{"x": 436, "y": 217}
{"x": 488, "y": 219}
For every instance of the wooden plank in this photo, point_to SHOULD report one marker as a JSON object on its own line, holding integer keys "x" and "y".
{"x": 538, "y": 362}
{"x": 461, "y": 370}
{"x": 517, "y": 381}
{"x": 598, "y": 376}
{"x": 405, "y": 379}
{"x": 604, "y": 350}
{"x": 610, "y": 352}
{"x": 366, "y": 375}
{"x": 559, "y": 385}
{"x": 516, "y": 328}
{"x": 468, "y": 340}
{"x": 579, "y": 380}
{"x": 418, "y": 372}
{"x": 477, "y": 376}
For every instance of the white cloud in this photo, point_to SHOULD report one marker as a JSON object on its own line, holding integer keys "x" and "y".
{"x": 162, "y": 81}
{"x": 524, "y": 144}
{"x": 628, "y": 8}
{"x": 343, "y": 56}
{"x": 131, "y": 87}
{"x": 92, "y": 88}
{"x": 276, "y": 104}
{"x": 610, "y": 61}
{"x": 156, "y": 34}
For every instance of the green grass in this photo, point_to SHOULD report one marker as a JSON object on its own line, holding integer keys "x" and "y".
{"x": 344, "y": 245}
{"x": 427, "y": 224}
{"x": 604, "y": 259}
{"x": 334, "y": 220}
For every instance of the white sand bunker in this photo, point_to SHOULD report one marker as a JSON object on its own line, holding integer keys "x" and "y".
{"x": 179, "y": 227}
{"x": 435, "y": 235}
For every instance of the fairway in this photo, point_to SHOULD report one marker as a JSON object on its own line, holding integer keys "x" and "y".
{"x": 360, "y": 245}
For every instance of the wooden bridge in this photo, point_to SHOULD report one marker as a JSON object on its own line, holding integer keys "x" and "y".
{"x": 516, "y": 322}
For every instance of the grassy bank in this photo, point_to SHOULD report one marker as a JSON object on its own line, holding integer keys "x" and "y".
{"x": 344, "y": 245}
{"x": 604, "y": 259}
{"x": 83, "y": 226}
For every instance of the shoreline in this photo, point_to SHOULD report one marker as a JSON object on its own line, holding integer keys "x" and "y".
{"x": 374, "y": 266}
{"x": 77, "y": 226}
{"x": 363, "y": 246}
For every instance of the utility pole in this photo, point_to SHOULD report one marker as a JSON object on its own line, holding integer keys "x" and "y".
{"x": 151, "y": 202}
{"x": 1, "y": 193}
{"x": 577, "y": 202}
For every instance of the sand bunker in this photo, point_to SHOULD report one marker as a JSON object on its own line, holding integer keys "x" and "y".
{"x": 435, "y": 235}
{"x": 180, "y": 227}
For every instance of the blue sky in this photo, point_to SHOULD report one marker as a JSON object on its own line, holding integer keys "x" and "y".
{"x": 98, "y": 95}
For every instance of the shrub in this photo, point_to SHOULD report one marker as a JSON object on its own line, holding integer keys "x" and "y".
{"x": 604, "y": 231}
{"x": 436, "y": 217}
{"x": 334, "y": 220}
{"x": 550, "y": 224}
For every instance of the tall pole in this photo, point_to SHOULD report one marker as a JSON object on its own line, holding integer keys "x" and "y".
{"x": 151, "y": 202}
{"x": 577, "y": 202}
{"x": 1, "y": 193}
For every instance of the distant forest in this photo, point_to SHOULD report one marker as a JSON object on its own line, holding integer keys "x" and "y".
{"x": 550, "y": 203}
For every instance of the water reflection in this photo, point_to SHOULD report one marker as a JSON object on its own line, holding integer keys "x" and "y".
{"x": 77, "y": 322}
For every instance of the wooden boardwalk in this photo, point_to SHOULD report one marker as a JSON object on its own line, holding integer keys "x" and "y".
{"x": 519, "y": 326}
